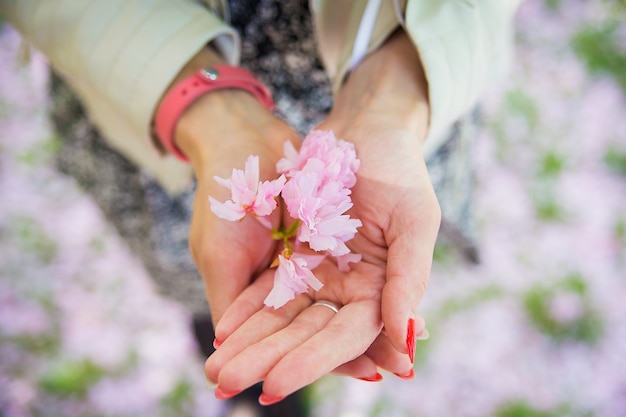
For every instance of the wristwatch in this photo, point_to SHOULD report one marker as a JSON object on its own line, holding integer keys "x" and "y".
{"x": 207, "y": 79}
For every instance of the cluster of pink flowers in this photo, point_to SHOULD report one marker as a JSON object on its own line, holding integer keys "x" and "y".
{"x": 315, "y": 184}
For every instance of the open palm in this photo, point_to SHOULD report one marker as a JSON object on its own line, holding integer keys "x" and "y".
{"x": 293, "y": 346}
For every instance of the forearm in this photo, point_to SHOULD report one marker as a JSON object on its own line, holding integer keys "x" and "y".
{"x": 389, "y": 86}
{"x": 120, "y": 55}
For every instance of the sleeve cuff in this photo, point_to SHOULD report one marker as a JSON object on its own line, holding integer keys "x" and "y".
{"x": 156, "y": 51}
{"x": 462, "y": 46}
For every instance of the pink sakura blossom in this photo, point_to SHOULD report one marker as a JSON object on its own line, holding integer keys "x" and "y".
{"x": 317, "y": 193}
{"x": 321, "y": 149}
{"x": 293, "y": 276}
{"x": 344, "y": 260}
{"x": 321, "y": 209}
{"x": 249, "y": 195}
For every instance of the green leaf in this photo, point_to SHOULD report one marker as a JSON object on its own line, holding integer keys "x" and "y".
{"x": 551, "y": 165}
{"x": 599, "y": 49}
{"x": 587, "y": 328}
{"x": 616, "y": 160}
{"x": 33, "y": 239}
{"x": 518, "y": 102}
{"x": 178, "y": 399}
{"x": 71, "y": 378}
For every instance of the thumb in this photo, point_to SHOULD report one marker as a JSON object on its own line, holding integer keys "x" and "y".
{"x": 408, "y": 269}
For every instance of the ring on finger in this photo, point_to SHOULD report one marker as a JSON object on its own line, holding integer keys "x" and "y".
{"x": 328, "y": 304}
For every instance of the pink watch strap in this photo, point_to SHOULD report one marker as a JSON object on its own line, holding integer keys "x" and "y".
{"x": 183, "y": 94}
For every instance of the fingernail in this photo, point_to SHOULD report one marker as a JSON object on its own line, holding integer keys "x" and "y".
{"x": 210, "y": 385}
{"x": 410, "y": 339}
{"x": 375, "y": 378}
{"x": 220, "y": 394}
{"x": 424, "y": 335}
{"x": 216, "y": 343}
{"x": 265, "y": 399}
{"x": 408, "y": 375}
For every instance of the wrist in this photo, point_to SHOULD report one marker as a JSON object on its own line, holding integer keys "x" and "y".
{"x": 223, "y": 122}
{"x": 224, "y": 96}
{"x": 388, "y": 86}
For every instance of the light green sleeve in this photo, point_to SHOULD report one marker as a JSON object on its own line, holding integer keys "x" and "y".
{"x": 120, "y": 56}
{"x": 463, "y": 45}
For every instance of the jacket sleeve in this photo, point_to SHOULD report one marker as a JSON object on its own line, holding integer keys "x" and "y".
{"x": 120, "y": 55}
{"x": 462, "y": 45}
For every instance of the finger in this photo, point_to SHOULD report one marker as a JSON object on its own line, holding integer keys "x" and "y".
{"x": 262, "y": 324}
{"x": 248, "y": 303}
{"x": 408, "y": 269}
{"x": 383, "y": 354}
{"x": 363, "y": 368}
{"x": 252, "y": 364}
{"x": 228, "y": 264}
{"x": 347, "y": 336}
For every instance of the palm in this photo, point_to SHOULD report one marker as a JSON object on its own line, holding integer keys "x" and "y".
{"x": 295, "y": 345}
{"x": 230, "y": 255}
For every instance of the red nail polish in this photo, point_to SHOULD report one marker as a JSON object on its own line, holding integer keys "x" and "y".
{"x": 265, "y": 399}
{"x": 220, "y": 394}
{"x": 408, "y": 375}
{"x": 375, "y": 378}
{"x": 216, "y": 343}
{"x": 410, "y": 339}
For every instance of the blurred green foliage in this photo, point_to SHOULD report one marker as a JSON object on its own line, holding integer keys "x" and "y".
{"x": 178, "y": 401}
{"x": 616, "y": 159}
{"x": 547, "y": 207}
{"x": 33, "y": 239}
{"x": 619, "y": 231}
{"x": 523, "y": 409}
{"x": 551, "y": 164}
{"x": 37, "y": 344}
{"x": 587, "y": 328}
{"x": 473, "y": 298}
{"x": 39, "y": 154}
{"x": 71, "y": 378}
{"x": 443, "y": 252}
{"x": 519, "y": 102}
{"x": 517, "y": 105}
{"x": 598, "y": 47}
{"x": 552, "y": 4}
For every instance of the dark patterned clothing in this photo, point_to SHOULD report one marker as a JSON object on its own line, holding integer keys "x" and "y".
{"x": 279, "y": 47}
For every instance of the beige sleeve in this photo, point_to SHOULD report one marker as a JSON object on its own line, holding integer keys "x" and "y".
{"x": 120, "y": 55}
{"x": 462, "y": 45}
{"x": 336, "y": 24}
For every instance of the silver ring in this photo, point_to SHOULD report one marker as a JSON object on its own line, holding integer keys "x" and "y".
{"x": 334, "y": 307}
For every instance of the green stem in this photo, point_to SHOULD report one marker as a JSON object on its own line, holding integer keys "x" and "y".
{"x": 285, "y": 235}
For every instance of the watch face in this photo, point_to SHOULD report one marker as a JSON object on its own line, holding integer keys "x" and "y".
{"x": 210, "y": 73}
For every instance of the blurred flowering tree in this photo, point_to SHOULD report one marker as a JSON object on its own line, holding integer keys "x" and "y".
{"x": 536, "y": 330}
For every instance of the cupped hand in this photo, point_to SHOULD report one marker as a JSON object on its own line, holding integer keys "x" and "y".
{"x": 294, "y": 345}
{"x": 297, "y": 344}
{"x": 218, "y": 133}
{"x": 386, "y": 117}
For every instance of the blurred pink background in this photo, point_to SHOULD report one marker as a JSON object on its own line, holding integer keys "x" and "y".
{"x": 538, "y": 328}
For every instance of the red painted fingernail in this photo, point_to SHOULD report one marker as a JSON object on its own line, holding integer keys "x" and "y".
{"x": 220, "y": 394}
{"x": 265, "y": 399}
{"x": 216, "y": 343}
{"x": 375, "y": 378}
{"x": 410, "y": 339}
{"x": 408, "y": 375}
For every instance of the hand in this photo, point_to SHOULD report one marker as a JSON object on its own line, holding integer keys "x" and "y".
{"x": 386, "y": 117}
{"x": 217, "y": 133}
{"x": 298, "y": 343}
